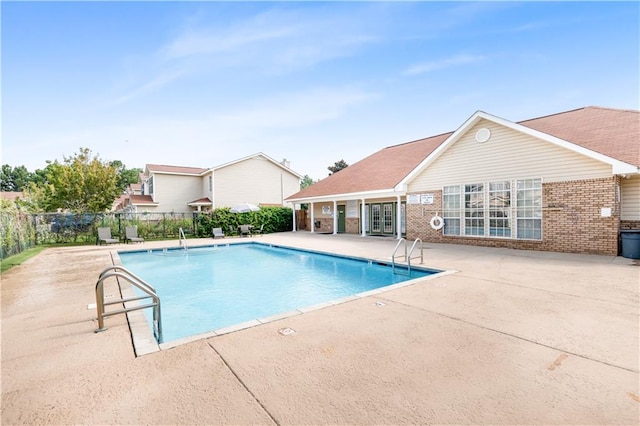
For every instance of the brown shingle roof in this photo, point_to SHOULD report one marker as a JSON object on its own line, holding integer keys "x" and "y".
{"x": 11, "y": 196}
{"x": 141, "y": 199}
{"x": 612, "y": 132}
{"x": 175, "y": 169}
{"x": 380, "y": 171}
{"x": 204, "y": 200}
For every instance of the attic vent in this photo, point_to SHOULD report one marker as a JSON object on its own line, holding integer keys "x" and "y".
{"x": 483, "y": 135}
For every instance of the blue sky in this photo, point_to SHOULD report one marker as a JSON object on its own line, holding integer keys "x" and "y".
{"x": 203, "y": 83}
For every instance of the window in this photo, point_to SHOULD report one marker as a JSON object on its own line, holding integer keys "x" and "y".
{"x": 529, "y": 209}
{"x": 487, "y": 209}
{"x": 500, "y": 209}
{"x": 151, "y": 185}
{"x": 210, "y": 183}
{"x": 451, "y": 210}
{"x": 474, "y": 209}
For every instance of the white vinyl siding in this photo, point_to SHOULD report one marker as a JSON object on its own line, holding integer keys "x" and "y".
{"x": 507, "y": 153}
{"x": 255, "y": 180}
{"x": 174, "y": 192}
{"x": 630, "y": 197}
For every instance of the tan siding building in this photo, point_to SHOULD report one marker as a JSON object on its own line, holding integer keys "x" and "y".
{"x": 567, "y": 182}
{"x": 257, "y": 179}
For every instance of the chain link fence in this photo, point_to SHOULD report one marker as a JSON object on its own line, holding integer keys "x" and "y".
{"x": 21, "y": 230}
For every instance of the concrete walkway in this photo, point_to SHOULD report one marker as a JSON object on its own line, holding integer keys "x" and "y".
{"x": 513, "y": 337}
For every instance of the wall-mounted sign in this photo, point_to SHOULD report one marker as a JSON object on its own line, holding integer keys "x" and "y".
{"x": 426, "y": 198}
{"x": 413, "y": 199}
{"x": 352, "y": 208}
{"x": 326, "y": 209}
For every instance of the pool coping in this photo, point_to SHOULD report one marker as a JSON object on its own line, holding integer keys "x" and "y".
{"x": 143, "y": 339}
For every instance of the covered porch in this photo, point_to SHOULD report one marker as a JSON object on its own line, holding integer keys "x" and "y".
{"x": 366, "y": 214}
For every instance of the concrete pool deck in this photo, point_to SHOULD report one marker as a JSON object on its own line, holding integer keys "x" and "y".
{"x": 513, "y": 337}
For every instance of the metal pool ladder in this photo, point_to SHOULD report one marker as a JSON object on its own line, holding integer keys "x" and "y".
{"x": 182, "y": 238}
{"x": 407, "y": 256}
{"x": 120, "y": 272}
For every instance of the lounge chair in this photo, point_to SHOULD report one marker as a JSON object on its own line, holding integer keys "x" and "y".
{"x": 217, "y": 232}
{"x": 245, "y": 230}
{"x": 258, "y": 231}
{"x": 104, "y": 235}
{"x": 131, "y": 234}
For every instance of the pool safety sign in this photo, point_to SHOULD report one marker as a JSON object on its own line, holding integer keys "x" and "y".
{"x": 420, "y": 199}
{"x": 426, "y": 198}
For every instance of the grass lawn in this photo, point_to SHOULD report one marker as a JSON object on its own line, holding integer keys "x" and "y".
{"x": 20, "y": 258}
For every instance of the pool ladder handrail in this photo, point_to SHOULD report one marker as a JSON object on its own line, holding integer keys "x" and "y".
{"x": 182, "y": 238}
{"x": 407, "y": 256}
{"x": 121, "y": 272}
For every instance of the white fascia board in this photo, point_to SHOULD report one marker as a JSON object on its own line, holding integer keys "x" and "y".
{"x": 259, "y": 154}
{"x": 617, "y": 166}
{"x": 471, "y": 121}
{"x": 348, "y": 196}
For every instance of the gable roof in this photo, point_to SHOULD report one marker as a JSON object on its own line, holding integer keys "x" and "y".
{"x": 259, "y": 154}
{"x": 175, "y": 170}
{"x": 608, "y": 131}
{"x": 608, "y": 135}
{"x": 378, "y": 172}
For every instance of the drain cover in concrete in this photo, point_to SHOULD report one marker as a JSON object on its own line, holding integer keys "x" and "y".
{"x": 286, "y": 331}
{"x": 440, "y": 285}
{"x": 380, "y": 304}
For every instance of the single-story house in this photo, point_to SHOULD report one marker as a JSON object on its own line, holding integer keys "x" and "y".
{"x": 256, "y": 179}
{"x": 567, "y": 182}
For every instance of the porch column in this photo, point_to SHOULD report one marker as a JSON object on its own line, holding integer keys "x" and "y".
{"x": 364, "y": 231}
{"x": 294, "y": 217}
{"x": 335, "y": 217}
{"x": 313, "y": 225}
{"x": 399, "y": 218}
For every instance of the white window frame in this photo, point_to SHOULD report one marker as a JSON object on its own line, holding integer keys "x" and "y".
{"x": 517, "y": 213}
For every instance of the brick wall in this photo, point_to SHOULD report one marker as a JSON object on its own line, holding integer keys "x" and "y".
{"x": 571, "y": 223}
{"x": 352, "y": 225}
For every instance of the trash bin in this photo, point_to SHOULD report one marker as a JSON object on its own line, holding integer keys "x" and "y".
{"x": 630, "y": 244}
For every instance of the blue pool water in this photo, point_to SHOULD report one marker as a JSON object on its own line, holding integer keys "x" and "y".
{"x": 204, "y": 289}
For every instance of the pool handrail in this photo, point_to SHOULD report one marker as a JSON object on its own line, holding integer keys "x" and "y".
{"x": 407, "y": 256}
{"x": 121, "y": 272}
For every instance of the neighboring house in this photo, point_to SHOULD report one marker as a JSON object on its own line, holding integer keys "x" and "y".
{"x": 566, "y": 182}
{"x": 11, "y": 196}
{"x": 256, "y": 179}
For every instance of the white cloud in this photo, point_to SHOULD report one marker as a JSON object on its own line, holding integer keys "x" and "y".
{"x": 453, "y": 61}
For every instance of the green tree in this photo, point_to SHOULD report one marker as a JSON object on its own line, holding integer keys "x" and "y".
{"x": 125, "y": 176}
{"x": 14, "y": 179}
{"x": 337, "y": 166}
{"x": 306, "y": 181}
{"x": 80, "y": 183}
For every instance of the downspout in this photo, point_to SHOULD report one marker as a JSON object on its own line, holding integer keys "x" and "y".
{"x": 335, "y": 217}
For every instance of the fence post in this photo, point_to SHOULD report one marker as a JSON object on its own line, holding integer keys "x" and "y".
{"x": 35, "y": 228}
{"x": 119, "y": 225}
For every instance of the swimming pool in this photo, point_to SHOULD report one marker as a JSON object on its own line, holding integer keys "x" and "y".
{"x": 210, "y": 288}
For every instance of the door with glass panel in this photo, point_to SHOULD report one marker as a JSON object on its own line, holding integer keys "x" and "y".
{"x": 387, "y": 218}
{"x": 376, "y": 210}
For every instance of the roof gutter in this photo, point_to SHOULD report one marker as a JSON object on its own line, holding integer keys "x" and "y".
{"x": 384, "y": 193}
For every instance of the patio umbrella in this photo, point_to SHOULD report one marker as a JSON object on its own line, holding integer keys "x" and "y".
{"x": 244, "y": 208}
